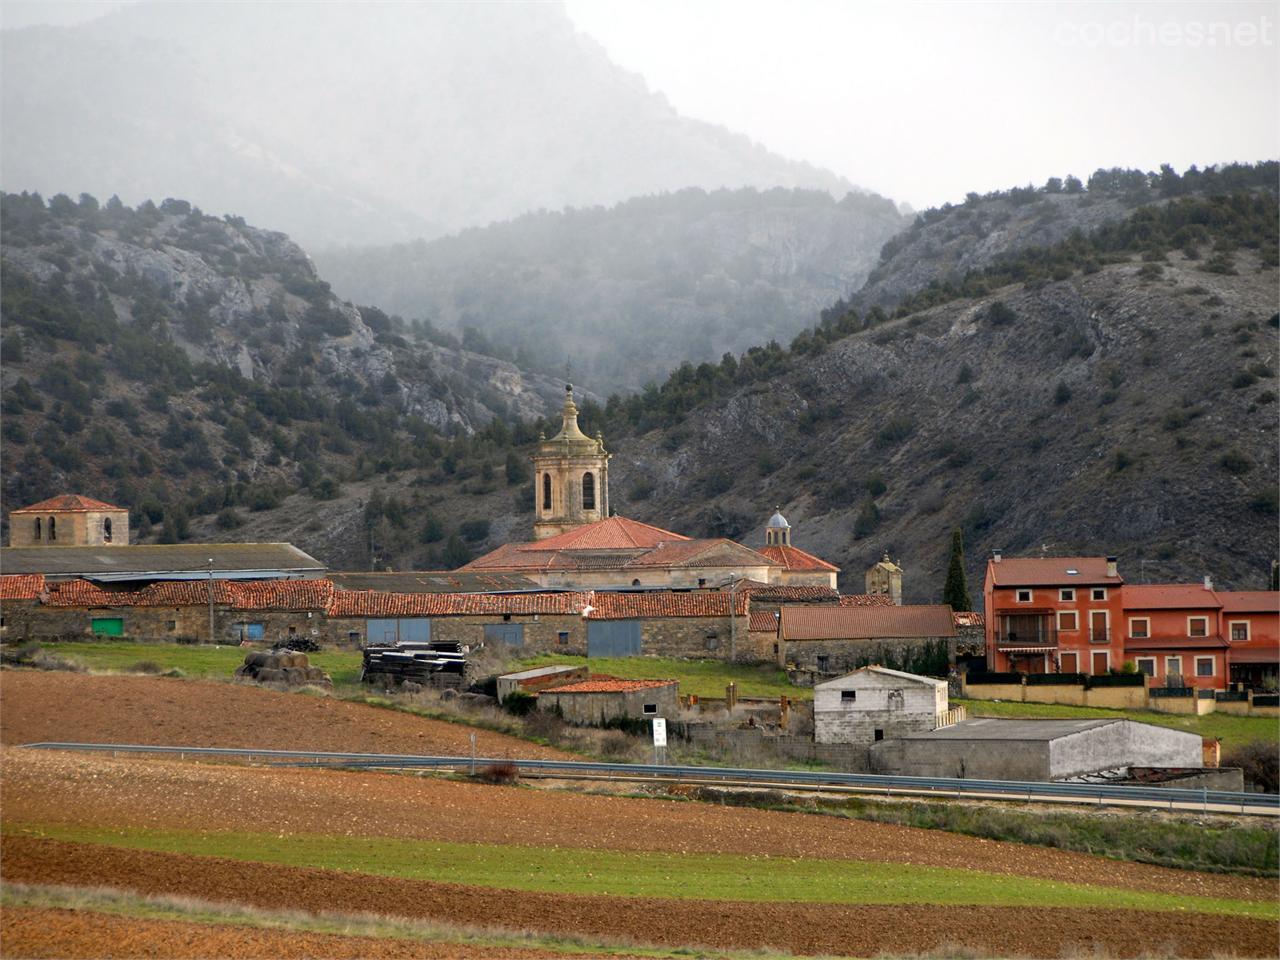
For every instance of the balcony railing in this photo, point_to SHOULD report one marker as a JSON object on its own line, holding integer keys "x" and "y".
{"x": 1046, "y": 638}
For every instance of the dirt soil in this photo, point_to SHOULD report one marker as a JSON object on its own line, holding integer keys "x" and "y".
{"x": 800, "y": 927}
{"x": 41, "y": 932}
{"x": 95, "y": 789}
{"x": 37, "y": 706}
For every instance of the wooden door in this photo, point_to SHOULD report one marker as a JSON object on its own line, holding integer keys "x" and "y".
{"x": 1098, "y": 625}
{"x": 1099, "y": 662}
{"x": 1069, "y": 663}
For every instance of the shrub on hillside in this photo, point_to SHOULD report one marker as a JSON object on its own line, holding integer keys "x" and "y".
{"x": 1260, "y": 762}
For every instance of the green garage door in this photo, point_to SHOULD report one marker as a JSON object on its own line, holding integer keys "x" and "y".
{"x": 108, "y": 626}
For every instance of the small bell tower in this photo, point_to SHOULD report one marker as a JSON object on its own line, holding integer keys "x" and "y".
{"x": 777, "y": 532}
{"x": 570, "y": 476}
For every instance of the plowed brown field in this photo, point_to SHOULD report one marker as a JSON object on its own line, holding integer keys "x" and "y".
{"x": 38, "y": 932}
{"x": 37, "y": 706}
{"x": 805, "y": 928}
{"x": 94, "y": 789}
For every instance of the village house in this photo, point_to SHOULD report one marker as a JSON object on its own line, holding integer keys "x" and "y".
{"x": 874, "y": 703}
{"x": 599, "y": 700}
{"x": 824, "y": 641}
{"x": 1076, "y": 615}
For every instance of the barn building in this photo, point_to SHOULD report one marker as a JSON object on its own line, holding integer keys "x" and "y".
{"x": 874, "y": 704}
{"x": 600, "y": 699}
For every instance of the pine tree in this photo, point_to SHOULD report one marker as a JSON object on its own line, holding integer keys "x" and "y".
{"x": 956, "y": 591}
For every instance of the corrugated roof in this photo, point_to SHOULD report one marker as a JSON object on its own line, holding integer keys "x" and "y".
{"x": 66, "y": 503}
{"x": 1169, "y": 596}
{"x": 157, "y": 561}
{"x": 1249, "y": 601}
{"x": 603, "y": 684}
{"x": 864, "y": 623}
{"x": 611, "y": 533}
{"x": 23, "y": 586}
{"x": 1050, "y": 571}
{"x": 793, "y": 558}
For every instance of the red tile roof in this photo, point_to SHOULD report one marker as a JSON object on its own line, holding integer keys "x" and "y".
{"x": 764, "y": 621}
{"x": 629, "y": 606}
{"x": 1249, "y": 601}
{"x": 23, "y": 586}
{"x": 614, "y": 533}
{"x": 866, "y": 600}
{"x": 603, "y": 684}
{"x": 968, "y": 618}
{"x": 793, "y": 558}
{"x": 66, "y": 503}
{"x": 238, "y": 594}
{"x": 699, "y": 553}
{"x": 1049, "y": 571}
{"x": 1169, "y": 596}
{"x": 370, "y": 603}
{"x": 781, "y": 592}
{"x": 864, "y": 623}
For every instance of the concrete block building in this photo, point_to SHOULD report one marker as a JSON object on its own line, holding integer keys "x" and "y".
{"x": 1041, "y": 750}
{"x": 874, "y": 704}
{"x": 600, "y": 699}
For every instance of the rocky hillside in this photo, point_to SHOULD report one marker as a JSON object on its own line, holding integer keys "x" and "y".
{"x": 631, "y": 292}
{"x": 1121, "y": 399}
{"x": 353, "y": 122}
{"x": 182, "y": 364}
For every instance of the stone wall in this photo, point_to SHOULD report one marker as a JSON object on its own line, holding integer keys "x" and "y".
{"x": 976, "y": 759}
{"x": 700, "y": 637}
{"x": 832, "y": 658}
{"x": 542, "y": 632}
{"x": 26, "y": 620}
{"x": 597, "y": 709}
{"x": 754, "y": 745}
{"x": 74, "y": 529}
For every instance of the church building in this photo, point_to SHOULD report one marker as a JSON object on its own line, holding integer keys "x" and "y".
{"x": 577, "y": 544}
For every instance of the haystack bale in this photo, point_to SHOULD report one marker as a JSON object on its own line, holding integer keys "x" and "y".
{"x": 285, "y": 667}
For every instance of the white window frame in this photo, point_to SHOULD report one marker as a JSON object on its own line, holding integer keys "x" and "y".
{"x": 1069, "y": 653}
{"x": 1094, "y": 653}
{"x": 1107, "y": 615}
{"x": 1144, "y": 620}
{"x": 1198, "y": 635}
{"x": 1069, "y": 613}
{"x": 1213, "y": 666}
{"x": 1098, "y": 594}
{"x": 1018, "y": 598}
{"x": 1248, "y": 630}
{"x": 1173, "y": 673}
{"x": 1155, "y": 666}
{"x": 1067, "y": 595}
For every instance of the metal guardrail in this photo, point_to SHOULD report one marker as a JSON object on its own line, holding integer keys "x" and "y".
{"x": 1262, "y": 803}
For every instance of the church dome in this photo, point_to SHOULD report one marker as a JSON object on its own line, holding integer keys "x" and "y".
{"x": 778, "y": 521}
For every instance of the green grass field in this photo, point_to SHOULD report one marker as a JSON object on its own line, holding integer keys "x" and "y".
{"x": 195, "y": 660}
{"x": 704, "y": 678}
{"x": 1233, "y": 731}
{"x": 646, "y": 874}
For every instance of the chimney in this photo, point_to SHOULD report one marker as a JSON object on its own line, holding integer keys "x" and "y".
{"x": 1208, "y": 584}
{"x": 1111, "y": 567}
{"x": 995, "y": 555}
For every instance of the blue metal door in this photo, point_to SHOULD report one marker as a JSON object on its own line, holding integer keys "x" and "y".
{"x": 512, "y": 634}
{"x": 381, "y": 631}
{"x": 254, "y": 631}
{"x": 416, "y": 630}
{"x": 613, "y": 638}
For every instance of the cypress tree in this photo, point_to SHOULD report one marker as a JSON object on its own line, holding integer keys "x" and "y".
{"x": 956, "y": 590}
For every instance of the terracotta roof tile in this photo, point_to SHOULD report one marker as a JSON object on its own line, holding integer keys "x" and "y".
{"x": 370, "y": 603}
{"x": 857, "y": 623}
{"x": 614, "y": 533}
{"x": 630, "y": 606}
{"x": 866, "y": 600}
{"x": 700, "y": 553}
{"x": 764, "y": 621}
{"x": 781, "y": 592}
{"x": 66, "y": 503}
{"x": 1169, "y": 596}
{"x": 1249, "y": 601}
{"x": 793, "y": 558}
{"x": 237, "y": 594}
{"x": 22, "y": 586}
{"x": 968, "y": 618}
{"x": 603, "y": 684}
{"x": 1049, "y": 571}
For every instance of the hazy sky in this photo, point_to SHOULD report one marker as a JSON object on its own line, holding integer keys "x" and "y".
{"x": 925, "y": 101}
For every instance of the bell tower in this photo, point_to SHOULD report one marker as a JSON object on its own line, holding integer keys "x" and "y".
{"x": 777, "y": 532}
{"x": 570, "y": 477}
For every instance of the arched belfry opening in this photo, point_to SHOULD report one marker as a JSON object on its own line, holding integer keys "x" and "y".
{"x": 106, "y": 529}
{"x": 574, "y": 489}
{"x": 777, "y": 532}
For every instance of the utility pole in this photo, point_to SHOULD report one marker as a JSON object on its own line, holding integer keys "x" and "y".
{"x": 211, "y": 640}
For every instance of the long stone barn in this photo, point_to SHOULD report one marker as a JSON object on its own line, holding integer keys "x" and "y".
{"x": 820, "y": 642}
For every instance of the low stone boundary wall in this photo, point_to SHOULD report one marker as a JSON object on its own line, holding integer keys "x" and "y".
{"x": 1115, "y": 698}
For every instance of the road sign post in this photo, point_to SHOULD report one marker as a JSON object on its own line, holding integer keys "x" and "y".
{"x": 659, "y": 739}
